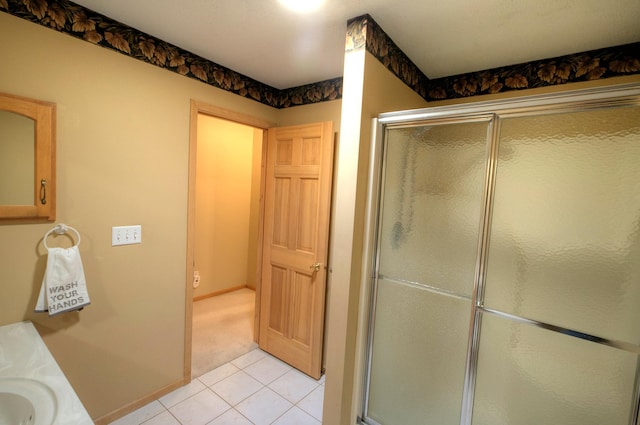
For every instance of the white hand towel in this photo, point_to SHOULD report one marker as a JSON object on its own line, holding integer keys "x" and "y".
{"x": 64, "y": 287}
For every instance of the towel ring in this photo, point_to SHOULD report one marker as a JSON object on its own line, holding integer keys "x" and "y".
{"x": 60, "y": 229}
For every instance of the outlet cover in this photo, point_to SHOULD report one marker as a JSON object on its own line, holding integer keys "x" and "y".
{"x": 126, "y": 235}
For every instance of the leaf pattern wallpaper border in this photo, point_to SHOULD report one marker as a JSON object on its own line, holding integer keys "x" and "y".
{"x": 362, "y": 32}
{"x": 75, "y": 20}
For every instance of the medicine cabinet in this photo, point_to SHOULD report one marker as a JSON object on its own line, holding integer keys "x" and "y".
{"x": 27, "y": 159}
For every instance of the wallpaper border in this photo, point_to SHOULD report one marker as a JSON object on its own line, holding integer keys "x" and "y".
{"x": 362, "y": 32}
{"x": 79, "y": 22}
{"x": 583, "y": 66}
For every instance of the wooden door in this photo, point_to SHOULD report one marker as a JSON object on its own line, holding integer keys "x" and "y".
{"x": 295, "y": 244}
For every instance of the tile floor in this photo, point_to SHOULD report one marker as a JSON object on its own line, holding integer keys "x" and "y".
{"x": 254, "y": 389}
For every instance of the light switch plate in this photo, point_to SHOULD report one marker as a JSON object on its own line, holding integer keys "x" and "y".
{"x": 126, "y": 235}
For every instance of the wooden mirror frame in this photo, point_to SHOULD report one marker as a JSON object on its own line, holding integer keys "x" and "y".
{"x": 44, "y": 191}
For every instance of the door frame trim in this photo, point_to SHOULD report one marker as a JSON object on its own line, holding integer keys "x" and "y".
{"x": 197, "y": 108}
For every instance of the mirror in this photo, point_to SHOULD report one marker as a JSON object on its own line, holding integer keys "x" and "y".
{"x": 27, "y": 159}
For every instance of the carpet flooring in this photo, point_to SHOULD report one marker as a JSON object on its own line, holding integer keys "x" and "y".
{"x": 222, "y": 330}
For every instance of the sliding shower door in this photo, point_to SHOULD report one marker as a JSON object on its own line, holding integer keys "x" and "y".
{"x": 506, "y": 264}
{"x": 428, "y": 246}
{"x": 562, "y": 288}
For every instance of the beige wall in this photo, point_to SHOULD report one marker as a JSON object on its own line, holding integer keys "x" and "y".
{"x": 122, "y": 142}
{"x": 123, "y": 145}
{"x": 226, "y": 205}
{"x": 325, "y": 111}
{"x": 369, "y": 89}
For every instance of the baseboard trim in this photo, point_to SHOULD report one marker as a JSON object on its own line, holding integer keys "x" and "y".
{"x": 135, "y": 405}
{"x": 224, "y": 291}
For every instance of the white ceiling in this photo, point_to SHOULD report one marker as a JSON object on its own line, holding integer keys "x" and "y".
{"x": 264, "y": 41}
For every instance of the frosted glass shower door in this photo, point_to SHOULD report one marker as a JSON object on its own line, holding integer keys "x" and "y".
{"x": 505, "y": 264}
{"x": 561, "y": 315}
{"x": 429, "y": 220}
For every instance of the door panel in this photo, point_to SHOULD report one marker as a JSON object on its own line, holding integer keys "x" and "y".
{"x": 428, "y": 244}
{"x": 307, "y": 222}
{"x": 296, "y": 234}
{"x": 280, "y": 212}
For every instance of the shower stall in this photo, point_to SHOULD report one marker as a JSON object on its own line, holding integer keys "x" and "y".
{"x": 503, "y": 263}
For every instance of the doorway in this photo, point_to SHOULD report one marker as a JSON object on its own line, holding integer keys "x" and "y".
{"x": 296, "y": 205}
{"x": 225, "y": 177}
{"x": 226, "y": 241}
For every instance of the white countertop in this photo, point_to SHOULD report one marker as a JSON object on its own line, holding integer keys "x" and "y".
{"x": 23, "y": 354}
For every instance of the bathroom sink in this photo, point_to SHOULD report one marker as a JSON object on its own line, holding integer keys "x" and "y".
{"x": 26, "y": 402}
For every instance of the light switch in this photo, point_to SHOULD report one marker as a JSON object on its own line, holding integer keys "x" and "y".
{"x": 126, "y": 235}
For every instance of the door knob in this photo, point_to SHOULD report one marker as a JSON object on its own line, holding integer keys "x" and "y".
{"x": 315, "y": 267}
